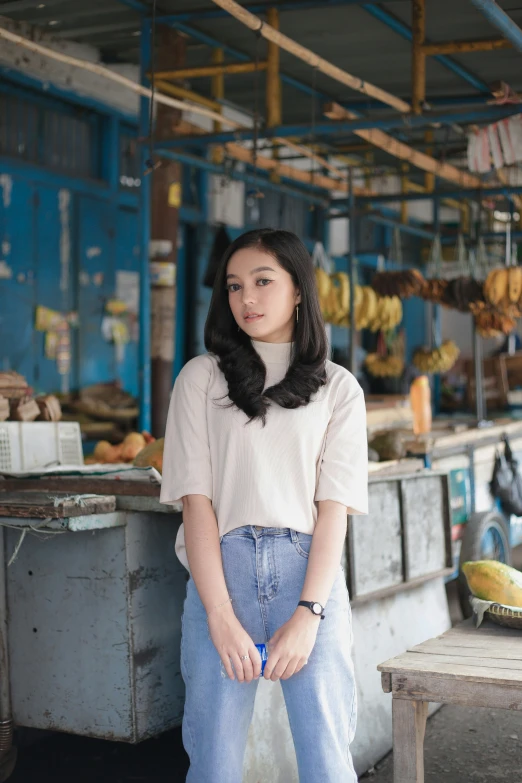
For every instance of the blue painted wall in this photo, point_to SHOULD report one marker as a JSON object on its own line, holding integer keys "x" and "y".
{"x": 62, "y": 241}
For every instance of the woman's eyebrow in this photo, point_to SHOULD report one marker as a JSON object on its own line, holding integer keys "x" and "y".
{"x": 256, "y": 270}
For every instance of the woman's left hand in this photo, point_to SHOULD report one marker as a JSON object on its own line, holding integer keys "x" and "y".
{"x": 291, "y": 646}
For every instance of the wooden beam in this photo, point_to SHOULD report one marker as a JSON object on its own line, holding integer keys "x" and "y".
{"x": 212, "y": 70}
{"x": 418, "y": 58}
{"x": 256, "y": 24}
{"x": 106, "y": 73}
{"x": 189, "y": 95}
{"x": 397, "y": 149}
{"x": 461, "y": 47}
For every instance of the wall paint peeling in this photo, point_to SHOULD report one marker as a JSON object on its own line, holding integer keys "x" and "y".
{"x": 6, "y": 183}
{"x": 64, "y": 202}
{"x": 6, "y": 272}
{"x": 93, "y": 252}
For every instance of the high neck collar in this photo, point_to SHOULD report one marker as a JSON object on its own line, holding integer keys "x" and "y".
{"x": 274, "y": 353}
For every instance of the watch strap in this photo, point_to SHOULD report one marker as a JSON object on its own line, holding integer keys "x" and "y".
{"x": 309, "y": 605}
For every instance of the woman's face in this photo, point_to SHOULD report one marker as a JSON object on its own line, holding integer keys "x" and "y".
{"x": 262, "y": 296}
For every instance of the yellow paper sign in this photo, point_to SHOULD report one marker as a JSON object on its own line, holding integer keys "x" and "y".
{"x": 175, "y": 195}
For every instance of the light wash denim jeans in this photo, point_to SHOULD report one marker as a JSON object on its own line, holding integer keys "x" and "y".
{"x": 265, "y": 570}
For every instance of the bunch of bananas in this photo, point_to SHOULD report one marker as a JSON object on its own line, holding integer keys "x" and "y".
{"x": 503, "y": 290}
{"x": 384, "y": 366}
{"x": 493, "y": 324}
{"x": 437, "y": 360}
{"x": 406, "y": 283}
{"x": 371, "y": 311}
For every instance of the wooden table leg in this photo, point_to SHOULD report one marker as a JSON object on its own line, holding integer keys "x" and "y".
{"x": 409, "y": 726}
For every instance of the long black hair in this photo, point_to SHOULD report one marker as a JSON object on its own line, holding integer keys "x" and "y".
{"x": 238, "y": 360}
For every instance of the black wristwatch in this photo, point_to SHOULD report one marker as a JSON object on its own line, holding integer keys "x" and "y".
{"x": 314, "y": 606}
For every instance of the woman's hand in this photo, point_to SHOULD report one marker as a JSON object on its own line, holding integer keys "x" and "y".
{"x": 291, "y": 645}
{"x": 232, "y": 642}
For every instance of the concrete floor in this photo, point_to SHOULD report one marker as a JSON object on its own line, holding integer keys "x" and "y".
{"x": 462, "y": 746}
{"x": 466, "y": 746}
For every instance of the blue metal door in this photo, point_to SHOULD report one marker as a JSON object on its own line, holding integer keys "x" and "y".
{"x": 127, "y": 255}
{"x": 96, "y": 231}
{"x": 16, "y": 275}
{"x": 53, "y": 241}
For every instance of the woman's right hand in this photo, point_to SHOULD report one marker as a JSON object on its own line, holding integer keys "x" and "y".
{"x": 232, "y": 641}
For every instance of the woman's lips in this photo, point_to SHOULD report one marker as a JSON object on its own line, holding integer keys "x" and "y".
{"x": 251, "y": 318}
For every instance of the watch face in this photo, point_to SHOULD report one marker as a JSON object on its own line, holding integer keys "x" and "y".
{"x": 317, "y": 608}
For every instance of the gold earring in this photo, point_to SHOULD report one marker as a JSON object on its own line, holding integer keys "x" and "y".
{"x": 297, "y": 313}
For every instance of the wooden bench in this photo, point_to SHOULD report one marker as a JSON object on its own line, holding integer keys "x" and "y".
{"x": 472, "y": 667}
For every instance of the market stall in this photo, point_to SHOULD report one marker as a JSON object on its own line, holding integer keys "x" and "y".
{"x": 103, "y": 593}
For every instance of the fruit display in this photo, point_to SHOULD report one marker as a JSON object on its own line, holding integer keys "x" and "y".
{"x": 151, "y": 456}
{"x": 105, "y": 453}
{"x": 436, "y": 360}
{"x": 494, "y": 581}
{"x": 371, "y": 311}
{"x": 384, "y": 366}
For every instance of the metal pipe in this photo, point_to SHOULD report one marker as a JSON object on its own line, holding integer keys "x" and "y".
{"x": 6, "y": 717}
{"x": 405, "y": 32}
{"x": 351, "y": 272}
{"x": 499, "y": 19}
{"x": 144, "y": 217}
{"x": 477, "y": 360}
{"x": 406, "y": 228}
{"x": 418, "y": 58}
{"x": 241, "y": 176}
{"x": 485, "y": 114}
{"x": 436, "y": 315}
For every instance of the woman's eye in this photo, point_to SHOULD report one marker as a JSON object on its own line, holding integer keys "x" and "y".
{"x": 264, "y": 281}
{"x": 233, "y": 287}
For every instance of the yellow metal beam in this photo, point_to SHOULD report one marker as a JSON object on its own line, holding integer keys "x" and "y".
{"x": 461, "y": 47}
{"x": 181, "y": 92}
{"x": 212, "y": 70}
{"x": 418, "y": 58}
{"x": 273, "y": 84}
{"x": 218, "y": 93}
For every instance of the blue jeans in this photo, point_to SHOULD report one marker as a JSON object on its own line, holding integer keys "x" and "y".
{"x": 265, "y": 570}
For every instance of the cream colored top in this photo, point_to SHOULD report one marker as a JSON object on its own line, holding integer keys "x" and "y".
{"x": 271, "y": 476}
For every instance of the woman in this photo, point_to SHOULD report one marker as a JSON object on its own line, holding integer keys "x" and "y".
{"x": 266, "y": 447}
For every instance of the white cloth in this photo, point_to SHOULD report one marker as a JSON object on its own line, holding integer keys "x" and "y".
{"x": 270, "y": 476}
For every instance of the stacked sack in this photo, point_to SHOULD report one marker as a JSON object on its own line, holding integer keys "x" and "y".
{"x": 372, "y": 311}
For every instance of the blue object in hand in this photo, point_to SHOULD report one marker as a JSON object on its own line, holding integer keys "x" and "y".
{"x": 264, "y": 656}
